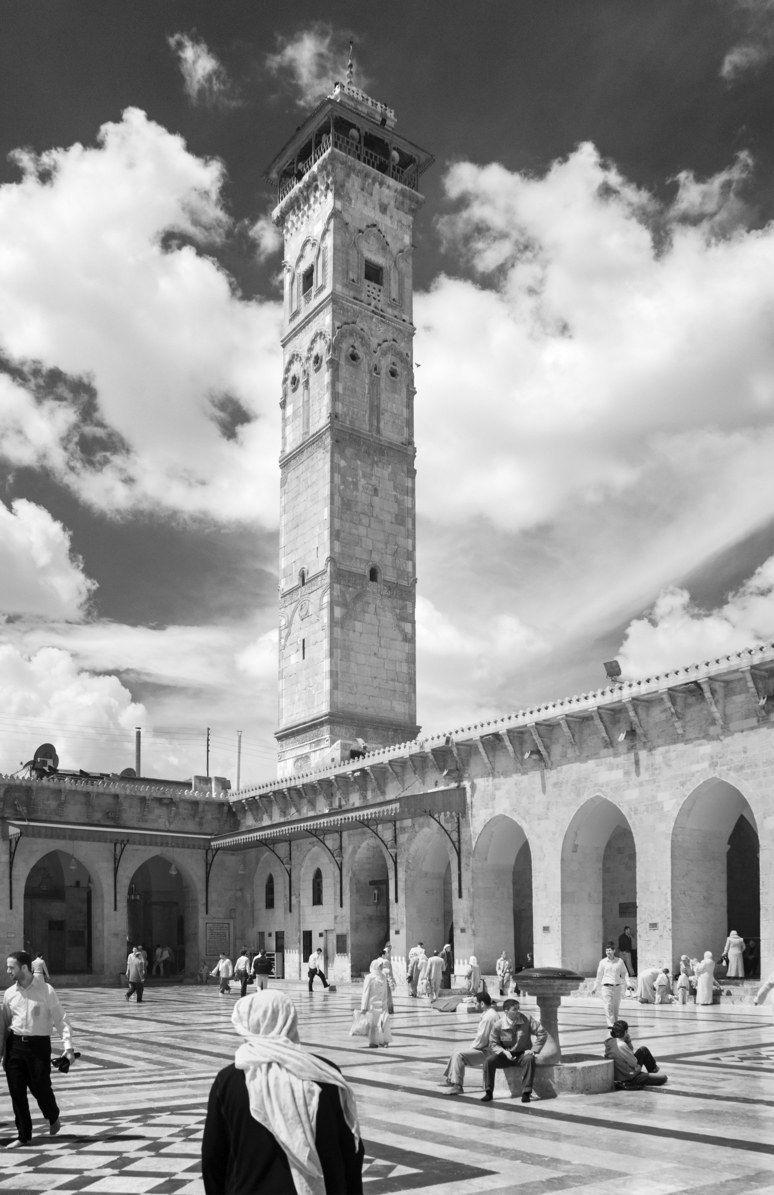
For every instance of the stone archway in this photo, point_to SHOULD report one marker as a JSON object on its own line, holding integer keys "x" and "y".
{"x": 369, "y": 905}
{"x": 58, "y": 913}
{"x": 428, "y": 886}
{"x": 715, "y": 870}
{"x": 599, "y": 882}
{"x": 155, "y": 911}
{"x": 502, "y": 893}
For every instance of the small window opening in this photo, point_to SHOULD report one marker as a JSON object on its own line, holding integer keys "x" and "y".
{"x": 294, "y": 382}
{"x": 302, "y": 577}
{"x": 303, "y": 649}
{"x": 269, "y": 895}
{"x": 373, "y": 573}
{"x": 374, "y": 273}
{"x": 316, "y": 361}
{"x": 317, "y": 888}
{"x": 393, "y": 370}
{"x": 307, "y": 281}
{"x": 353, "y": 355}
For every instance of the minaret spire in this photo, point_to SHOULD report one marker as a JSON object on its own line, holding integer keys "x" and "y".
{"x": 350, "y": 65}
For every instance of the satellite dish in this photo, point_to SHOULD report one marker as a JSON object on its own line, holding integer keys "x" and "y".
{"x": 45, "y": 759}
{"x": 129, "y": 774}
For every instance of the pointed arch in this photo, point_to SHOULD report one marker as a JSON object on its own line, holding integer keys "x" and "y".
{"x": 502, "y": 892}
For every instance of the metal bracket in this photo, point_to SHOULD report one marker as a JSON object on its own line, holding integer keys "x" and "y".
{"x": 13, "y": 844}
{"x": 286, "y": 867}
{"x": 339, "y": 862}
{"x": 209, "y": 858}
{"x": 457, "y": 845}
{"x": 118, "y": 853}
{"x": 391, "y": 851}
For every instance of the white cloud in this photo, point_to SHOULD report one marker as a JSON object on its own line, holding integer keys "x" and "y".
{"x": 677, "y": 632}
{"x": 451, "y": 647}
{"x": 204, "y": 77}
{"x": 39, "y": 575}
{"x": 601, "y": 329}
{"x": 756, "y": 47}
{"x": 155, "y": 385}
{"x": 266, "y": 236}
{"x": 311, "y": 62}
{"x": 46, "y": 697}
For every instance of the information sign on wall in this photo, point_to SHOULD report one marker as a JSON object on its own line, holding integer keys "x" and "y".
{"x": 217, "y": 938}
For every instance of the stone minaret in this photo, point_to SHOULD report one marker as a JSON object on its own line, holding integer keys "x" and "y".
{"x": 346, "y": 198}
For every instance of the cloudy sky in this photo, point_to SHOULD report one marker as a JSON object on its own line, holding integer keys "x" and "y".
{"x": 595, "y": 351}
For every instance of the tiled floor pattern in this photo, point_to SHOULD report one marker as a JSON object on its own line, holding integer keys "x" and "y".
{"x": 133, "y": 1106}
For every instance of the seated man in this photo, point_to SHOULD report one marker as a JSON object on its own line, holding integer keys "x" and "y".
{"x": 631, "y": 1068}
{"x": 511, "y": 1045}
{"x": 479, "y": 1048}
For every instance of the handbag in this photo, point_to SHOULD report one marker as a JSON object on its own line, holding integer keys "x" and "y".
{"x": 360, "y": 1023}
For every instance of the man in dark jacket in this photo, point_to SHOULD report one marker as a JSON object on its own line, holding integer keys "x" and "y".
{"x": 512, "y": 1045}
{"x": 262, "y": 969}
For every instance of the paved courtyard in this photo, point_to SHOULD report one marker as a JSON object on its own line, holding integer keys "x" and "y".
{"x": 133, "y": 1106}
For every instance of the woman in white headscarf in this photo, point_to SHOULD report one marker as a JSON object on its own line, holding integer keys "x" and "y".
{"x": 472, "y": 976}
{"x": 733, "y": 950}
{"x": 377, "y": 1004}
{"x": 279, "y": 1119}
{"x": 705, "y": 978}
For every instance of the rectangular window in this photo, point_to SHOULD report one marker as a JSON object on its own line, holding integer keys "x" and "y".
{"x": 374, "y": 273}
{"x": 303, "y": 649}
{"x": 307, "y": 281}
{"x": 341, "y": 943}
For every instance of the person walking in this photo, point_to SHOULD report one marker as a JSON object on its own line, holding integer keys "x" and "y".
{"x": 136, "y": 973}
{"x": 448, "y": 967}
{"x": 376, "y": 1003}
{"x": 223, "y": 970}
{"x": 31, "y": 1010}
{"x": 314, "y": 966}
{"x": 413, "y": 964}
{"x": 504, "y": 969}
{"x": 39, "y": 967}
{"x": 387, "y": 967}
{"x": 631, "y": 1068}
{"x": 279, "y": 1118}
{"x": 626, "y": 949}
{"x": 262, "y": 969}
{"x": 242, "y": 971}
{"x": 478, "y": 1051}
{"x": 433, "y": 975}
{"x": 611, "y": 978}
{"x": 512, "y": 1045}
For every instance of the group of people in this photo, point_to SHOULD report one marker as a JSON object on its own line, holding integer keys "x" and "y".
{"x": 429, "y": 975}
{"x": 512, "y": 1040}
{"x": 246, "y": 970}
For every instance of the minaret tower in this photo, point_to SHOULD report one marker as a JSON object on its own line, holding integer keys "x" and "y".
{"x": 346, "y": 198}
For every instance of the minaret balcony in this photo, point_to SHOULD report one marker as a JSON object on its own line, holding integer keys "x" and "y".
{"x": 407, "y": 176}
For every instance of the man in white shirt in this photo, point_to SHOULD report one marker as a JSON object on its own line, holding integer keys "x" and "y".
{"x": 479, "y": 1049}
{"x": 136, "y": 972}
{"x": 31, "y": 1009}
{"x": 223, "y": 969}
{"x": 315, "y": 967}
{"x": 242, "y": 971}
{"x": 611, "y": 978}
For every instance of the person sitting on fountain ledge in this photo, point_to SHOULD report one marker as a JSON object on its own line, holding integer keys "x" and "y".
{"x": 631, "y": 1068}
{"x": 511, "y": 1045}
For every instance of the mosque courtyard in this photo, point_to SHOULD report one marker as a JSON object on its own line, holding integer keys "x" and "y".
{"x": 133, "y": 1106}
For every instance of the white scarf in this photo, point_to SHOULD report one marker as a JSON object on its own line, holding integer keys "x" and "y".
{"x": 282, "y": 1083}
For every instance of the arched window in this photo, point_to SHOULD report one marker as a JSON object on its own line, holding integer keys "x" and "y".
{"x": 373, "y": 573}
{"x": 317, "y": 888}
{"x": 269, "y": 894}
{"x": 302, "y": 577}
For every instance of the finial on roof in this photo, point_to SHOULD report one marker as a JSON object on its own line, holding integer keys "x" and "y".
{"x": 350, "y": 64}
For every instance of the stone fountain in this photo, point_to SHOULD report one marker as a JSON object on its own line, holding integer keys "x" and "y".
{"x": 571, "y": 1074}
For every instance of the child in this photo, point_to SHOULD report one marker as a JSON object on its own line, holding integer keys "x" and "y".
{"x": 682, "y": 983}
{"x": 663, "y": 987}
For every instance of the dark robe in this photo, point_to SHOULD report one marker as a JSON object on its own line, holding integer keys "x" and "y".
{"x": 241, "y": 1157}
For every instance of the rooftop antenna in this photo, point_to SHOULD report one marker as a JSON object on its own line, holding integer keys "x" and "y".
{"x": 350, "y": 65}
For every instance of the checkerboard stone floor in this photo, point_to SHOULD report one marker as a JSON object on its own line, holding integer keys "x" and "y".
{"x": 133, "y": 1106}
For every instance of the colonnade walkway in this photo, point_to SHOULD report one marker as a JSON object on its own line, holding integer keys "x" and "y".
{"x": 133, "y": 1106}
